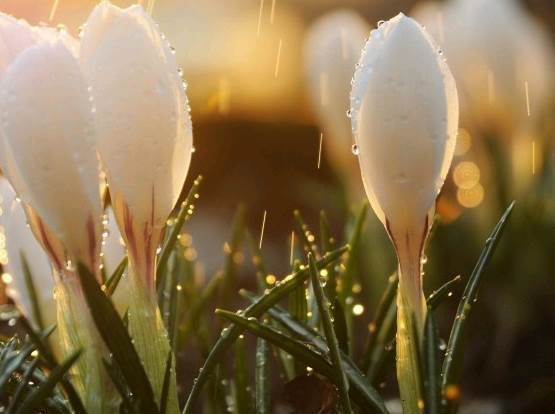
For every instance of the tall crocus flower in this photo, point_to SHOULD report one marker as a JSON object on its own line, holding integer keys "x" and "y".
{"x": 49, "y": 157}
{"x": 145, "y": 144}
{"x": 332, "y": 49}
{"x": 405, "y": 117}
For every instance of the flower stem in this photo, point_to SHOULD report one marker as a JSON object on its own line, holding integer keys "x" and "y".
{"x": 150, "y": 338}
{"x": 77, "y": 331}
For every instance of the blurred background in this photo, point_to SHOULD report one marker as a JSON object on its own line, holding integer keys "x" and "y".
{"x": 268, "y": 83}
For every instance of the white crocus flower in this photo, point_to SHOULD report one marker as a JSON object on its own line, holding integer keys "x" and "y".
{"x": 404, "y": 117}
{"x": 332, "y": 49}
{"x": 501, "y": 58}
{"x": 50, "y": 159}
{"x": 145, "y": 144}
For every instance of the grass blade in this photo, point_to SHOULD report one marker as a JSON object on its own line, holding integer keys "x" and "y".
{"x": 454, "y": 354}
{"x": 166, "y": 385}
{"x": 116, "y": 337}
{"x": 309, "y": 241}
{"x": 367, "y": 401}
{"x": 22, "y": 385}
{"x": 324, "y": 307}
{"x": 262, "y": 378}
{"x": 432, "y": 380}
{"x": 113, "y": 281}
{"x": 47, "y": 356}
{"x": 119, "y": 382}
{"x": 439, "y": 295}
{"x": 33, "y": 401}
{"x": 230, "y": 333}
{"x": 175, "y": 230}
{"x": 326, "y": 241}
{"x": 384, "y": 306}
{"x": 242, "y": 397}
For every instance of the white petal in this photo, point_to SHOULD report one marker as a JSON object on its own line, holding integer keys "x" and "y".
{"x": 144, "y": 128}
{"x": 405, "y": 119}
{"x": 15, "y": 37}
{"x": 47, "y": 126}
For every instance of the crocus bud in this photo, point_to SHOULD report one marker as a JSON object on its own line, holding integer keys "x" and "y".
{"x": 143, "y": 123}
{"x": 404, "y": 115}
{"x": 48, "y": 133}
{"x": 332, "y": 49}
{"x": 501, "y": 58}
{"x": 21, "y": 242}
{"x": 145, "y": 144}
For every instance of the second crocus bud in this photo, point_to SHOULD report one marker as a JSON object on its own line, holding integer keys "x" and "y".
{"x": 405, "y": 118}
{"x": 145, "y": 144}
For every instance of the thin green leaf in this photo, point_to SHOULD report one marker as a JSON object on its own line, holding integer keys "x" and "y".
{"x": 384, "y": 306}
{"x": 262, "y": 377}
{"x": 166, "y": 385}
{"x": 23, "y": 385}
{"x": 46, "y": 355}
{"x": 45, "y": 389}
{"x": 329, "y": 331}
{"x": 383, "y": 346}
{"x": 326, "y": 241}
{"x": 119, "y": 382}
{"x": 229, "y": 334}
{"x": 175, "y": 230}
{"x": 350, "y": 266}
{"x": 340, "y": 326}
{"x": 362, "y": 393}
{"x": 454, "y": 354}
{"x": 432, "y": 380}
{"x": 439, "y": 295}
{"x": 32, "y": 292}
{"x": 116, "y": 337}
{"x": 114, "y": 279}
{"x": 14, "y": 364}
{"x": 242, "y": 397}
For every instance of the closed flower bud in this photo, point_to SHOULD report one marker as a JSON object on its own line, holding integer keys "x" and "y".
{"x": 500, "y": 56}
{"x": 142, "y": 119}
{"x": 405, "y": 117}
{"x": 332, "y": 49}
{"x": 48, "y": 135}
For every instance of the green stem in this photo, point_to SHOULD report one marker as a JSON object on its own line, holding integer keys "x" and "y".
{"x": 150, "y": 338}
{"x": 77, "y": 331}
{"x": 409, "y": 373}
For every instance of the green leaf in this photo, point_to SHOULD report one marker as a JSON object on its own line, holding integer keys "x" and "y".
{"x": 116, "y": 337}
{"x": 262, "y": 377}
{"x": 454, "y": 354}
{"x": 114, "y": 279}
{"x": 365, "y": 397}
{"x": 230, "y": 333}
{"x": 383, "y": 345}
{"x": 46, "y": 355}
{"x": 30, "y": 286}
{"x": 432, "y": 381}
{"x": 23, "y": 385}
{"x": 242, "y": 398}
{"x": 13, "y": 364}
{"x": 308, "y": 336}
{"x": 45, "y": 389}
{"x": 166, "y": 386}
{"x": 326, "y": 241}
{"x": 340, "y": 326}
{"x": 384, "y": 307}
{"x": 441, "y": 293}
{"x": 350, "y": 266}
{"x": 175, "y": 230}
{"x": 329, "y": 331}
{"x": 119, "y": 382}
